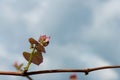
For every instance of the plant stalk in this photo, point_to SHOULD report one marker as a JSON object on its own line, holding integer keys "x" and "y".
{"x": 30, "y": 60}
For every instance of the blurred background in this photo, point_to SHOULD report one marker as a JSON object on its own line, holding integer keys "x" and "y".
{"x": 84, "y": 34}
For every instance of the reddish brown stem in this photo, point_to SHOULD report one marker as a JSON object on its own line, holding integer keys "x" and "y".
{"x": 86, "y": 71}
{"x": 11, "y": 73}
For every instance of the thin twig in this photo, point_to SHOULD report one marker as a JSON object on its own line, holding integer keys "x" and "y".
{"x": 11, "y": 73}
{"x": 15, "y": 74}
{"x": 86, "y": 71}
{"x": 29, "y": 77}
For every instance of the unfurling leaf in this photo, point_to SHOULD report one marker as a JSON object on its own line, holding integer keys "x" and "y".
{"x": 40, "y": 48}
{"x": 33, "y": 41}
{"x": 36, "y": 58}
{"x": 26, "y": 55}
{"x": 18, "y": 66}
{"x": 44, "y": 40}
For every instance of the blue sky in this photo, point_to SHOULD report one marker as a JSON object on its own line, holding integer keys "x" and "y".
{"x": 84, "y": 34}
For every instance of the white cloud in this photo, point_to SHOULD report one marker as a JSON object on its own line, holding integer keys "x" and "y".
{"x": 105, "y": 12}
{"x": 8, "y": 15}
{"x": 106, "y": 75}
{"x": 39, "y": 18}
{"x": 3, "y": 56}
{"x": 3, "y": 52}
{"x": 104, "y": 26}
{"x": 92, "y": 60}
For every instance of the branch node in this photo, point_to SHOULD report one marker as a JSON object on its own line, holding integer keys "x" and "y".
{"x": 87, "y": 71}
{"x": 24, "y": 73}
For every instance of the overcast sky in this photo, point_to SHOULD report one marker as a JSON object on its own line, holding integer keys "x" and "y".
{"x": 84, "y": 34}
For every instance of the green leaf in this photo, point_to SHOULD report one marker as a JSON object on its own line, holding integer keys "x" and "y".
{"x": 36, "y": 58}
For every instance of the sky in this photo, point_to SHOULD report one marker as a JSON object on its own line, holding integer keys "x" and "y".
{"x": 84, "y": 34}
